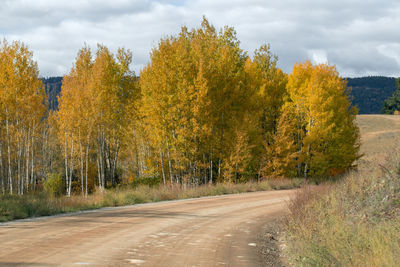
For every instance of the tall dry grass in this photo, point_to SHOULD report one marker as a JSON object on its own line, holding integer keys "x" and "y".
{"x": 355, "y": 222}
{"x": 18, "y": 207}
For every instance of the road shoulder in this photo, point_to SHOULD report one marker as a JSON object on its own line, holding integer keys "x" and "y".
{"x": 271, "y": 243}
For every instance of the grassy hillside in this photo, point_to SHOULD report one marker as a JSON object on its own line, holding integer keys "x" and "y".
{"x": 355, "y": 222}
{"x": 380, "y": 135}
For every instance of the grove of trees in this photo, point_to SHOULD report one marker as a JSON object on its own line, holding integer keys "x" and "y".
{"x": 202, "y": 111}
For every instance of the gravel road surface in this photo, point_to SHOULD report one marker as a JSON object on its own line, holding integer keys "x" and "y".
{"x": 212, "y": 231}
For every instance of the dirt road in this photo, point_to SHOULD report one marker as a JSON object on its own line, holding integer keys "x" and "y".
{"x": 215, "y": 231}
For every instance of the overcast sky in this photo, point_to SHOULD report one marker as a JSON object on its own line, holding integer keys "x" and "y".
{"x": 359, "y": 37}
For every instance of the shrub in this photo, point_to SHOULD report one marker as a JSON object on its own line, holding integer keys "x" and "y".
{"x": 54, "y": 185}
{"x": 149, "y": 181}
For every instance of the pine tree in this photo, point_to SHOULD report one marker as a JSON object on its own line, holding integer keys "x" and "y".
{"x": 392, "y": 104}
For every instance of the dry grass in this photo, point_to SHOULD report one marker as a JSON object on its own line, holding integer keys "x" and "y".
{"x": 379, "y": 133}
{"x": 355, "y": 222}
{"x": 18, "y": 207}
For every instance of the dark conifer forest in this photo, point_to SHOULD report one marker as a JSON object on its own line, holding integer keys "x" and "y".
{"x": 367, "y": 93}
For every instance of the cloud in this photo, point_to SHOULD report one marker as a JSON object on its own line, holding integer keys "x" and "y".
{"x": 360, "y": 37}
{"x": 391, "y": 50}
{"x": 318, "y": 56}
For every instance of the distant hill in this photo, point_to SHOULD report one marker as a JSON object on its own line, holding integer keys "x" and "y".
{"x": 52, "y": 87}
{"x": 369, "y": 93}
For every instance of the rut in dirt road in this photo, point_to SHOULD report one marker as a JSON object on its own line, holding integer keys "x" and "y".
{"x": 215, "y": 231}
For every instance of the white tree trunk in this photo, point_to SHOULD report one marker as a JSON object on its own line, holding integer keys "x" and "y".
{"x": 86, "y": 174}
{"x": 211, "y": 171}
{"x": 19, "y": 155}
{"x": 99, "y": 169}
{"x": 81, "y": 159}
{"x": 71, "y": 170}
{"x": 1, "y": 169}
{"x": 10, "y": 181}
{"x": 170, "y": 166}
{"x": 66, "y": 165}
{"x": 162, "y": 167}
{"x": 27, "y": 159}
{"x": 33, "y": 167}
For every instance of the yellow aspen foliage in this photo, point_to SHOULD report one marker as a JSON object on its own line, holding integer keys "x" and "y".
{"x": 237, "y": 165}
{"x": 193, "y": 98}
{"x": 93, "y": 116}
{"x": 202, "y": 111}
{"x": 281, "y": 153}
{"x": 23, "y": 105}
{"x": 271, "y": 87}
{"x": 267, "y": 84}
{"x": 75, "y": 118}
{"x": 329, "y": 142}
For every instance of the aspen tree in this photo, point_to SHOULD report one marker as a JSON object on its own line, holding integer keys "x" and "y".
{"x": 74, "y": 117}
{"x": 113, "y": 86}
{"x": 281, "y": 153}
{"x": 194, "y": 99}
{"x": 328, "y": 138}
{"x": 269, "y": 84}
{"x": 92, "y": 114}
{"x": 23, "y": 101}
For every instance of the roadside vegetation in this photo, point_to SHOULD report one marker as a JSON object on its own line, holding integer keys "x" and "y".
{"x": 51, "y": 202}
{"x": 354, "y": 222}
